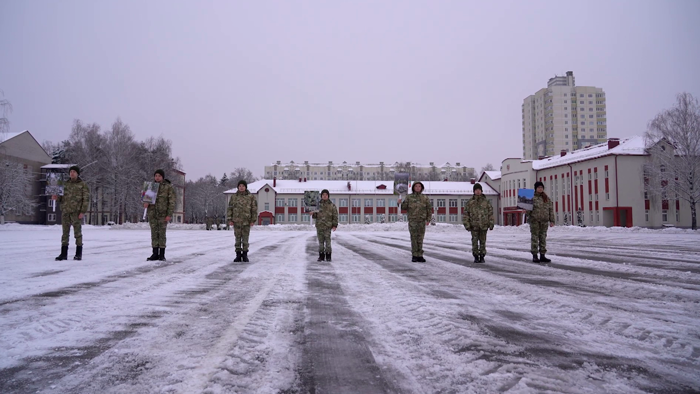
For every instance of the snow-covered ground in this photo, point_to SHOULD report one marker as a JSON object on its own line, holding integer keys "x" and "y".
{"x": 617, "y": 311}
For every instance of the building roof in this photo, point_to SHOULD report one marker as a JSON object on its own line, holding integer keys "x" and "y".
{"x": 360, "y": 187}
{"x": 495, "y": 175}
{"x": 57, "y": 166}
{"x": 630, "y": 146}
{"x": 8, "y": 136}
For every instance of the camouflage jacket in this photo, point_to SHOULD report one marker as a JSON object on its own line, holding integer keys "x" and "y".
{"x": 418, "y": 207}
{"x": 327, "y": 215}
{"x": 541, "y": 211}
{"x": 478, "y": 214}
{"x": 165, "y": 201}
{"x": 242, "y": 208}
{"x": 76, "y": 197}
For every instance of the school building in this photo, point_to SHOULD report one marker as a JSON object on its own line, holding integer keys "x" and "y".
{"x": 280, "y": 201}
{"x": 604, "y": 183}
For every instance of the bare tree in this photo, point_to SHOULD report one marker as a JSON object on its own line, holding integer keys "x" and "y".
{"x": 673, "y": 144}
{"x": 241, "y": 173}
{"x": 5, "y": 110}
{"x": 487, "y": 167}
{"x": 15, "y": 188}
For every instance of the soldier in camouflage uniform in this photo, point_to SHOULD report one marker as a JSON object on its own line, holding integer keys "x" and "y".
{"x": 419, "y": 215}
{"x": 541, "y": 216}
{"x": 74, "y": 203}
{"x": 159, "y": 215}
{"x": 326, "y": 221}
{"x": 478, "y": 219}
{"x": 242, "y": 213}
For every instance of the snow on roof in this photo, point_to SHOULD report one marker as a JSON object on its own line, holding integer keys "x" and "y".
{"x": 455, "y": 188}
{"x": 360, "y": 187}
{"x": 57, "y": 166}
{"x": 7, "y": 136}
{"x": 493, "y": 174}
{"x": 630, "y": 146}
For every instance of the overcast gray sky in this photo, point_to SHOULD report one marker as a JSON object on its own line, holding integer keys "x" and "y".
{"x": 246, "y": 83}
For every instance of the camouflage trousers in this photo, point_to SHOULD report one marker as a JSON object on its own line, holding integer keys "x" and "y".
{"x": 158, "y": 227}
{"x": 324, "y": 240}
{"x": 68, "y": 220}
{"x": 417, "y": 232}
{"x": 479, "y": 241}
{"x": 242, "y": 233}
{"x": 538, "y": 236}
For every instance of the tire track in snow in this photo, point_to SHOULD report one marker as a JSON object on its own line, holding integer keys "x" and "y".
{"x": 551, "y": 301}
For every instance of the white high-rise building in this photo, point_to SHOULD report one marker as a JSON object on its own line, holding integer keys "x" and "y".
{"x": 563, "y": 117}
{"x": 368, "y": 172}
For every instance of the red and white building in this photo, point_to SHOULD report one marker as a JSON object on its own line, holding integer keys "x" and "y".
{"x": 280, "y": 201}
{"x": 605, "y": 182}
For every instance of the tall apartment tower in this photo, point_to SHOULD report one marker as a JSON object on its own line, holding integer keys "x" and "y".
{"x": 563, "y": 117}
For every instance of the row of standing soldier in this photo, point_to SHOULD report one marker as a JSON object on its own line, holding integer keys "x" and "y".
{"x": 76, "y": 200}
{"x": 243, "y": 210}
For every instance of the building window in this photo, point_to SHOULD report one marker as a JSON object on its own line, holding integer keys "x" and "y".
{"x": 267, "y": 206}
{"x": 292, "y": 203}
{"x": 343, "y": 218}
{"x": 453, "y": 203}
{"x": 441, "y": 218}
{"x": 607, "y": 196}
{"x": 405, "y": 217}
{"x": 464, "y": 203}
{"x": 678, "y": 216}
{"x": 453, "y": 218}
{"x": 343, "y": 202}
{"x": 52, "y": 216}
{"x": 369, "y": 202}
{"x": 280, "y": 218}
{"x": 393, "y": 203}
{"x": 441, "y": 203}
{"x": 646, "y": 195}
{"x": 280, "y": 202}
{"x": 356, "y": 202}
{"x": 664, "y": 216}
{"x": 380, "y": 202}
{"x": 292, "y": 217}
{"x": 392, "y": 217}
{"x": 646, "y": 215}
{"x": 356, "y": 218}
{"x": 305, "y": 217}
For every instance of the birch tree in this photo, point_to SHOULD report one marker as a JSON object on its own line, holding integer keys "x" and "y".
{"x": 15, "y": 188}
{"x": 673, "y": 144}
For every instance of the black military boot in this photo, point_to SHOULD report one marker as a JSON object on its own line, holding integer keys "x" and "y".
{"x": 414, "y": 259}
{"x": 481, "y": 258}
{"x": 476, "y": 257}
{"x": 544, "y": 259}
{"x": 161, "y": 255}
{"x": 154, "y": 256}
{"x": 328, "y": 257}
{"x": 78, "y": 253}
{"x": 421, "y": 259}
{"x": 238, "y": 257}
{"x": 244, "y": 256}
{"x": 535, "y": 259}
{"x": 321, "y": 256}
{"x": 64, "y": 253}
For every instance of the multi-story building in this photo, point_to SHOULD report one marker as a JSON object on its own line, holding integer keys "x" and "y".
{"x": 563, "y": 117}
{"x": 368, "y": 172}
{"x": 22, "y": 152}
{"x": 280, "y": 201}
{"x": 604, "y": 185}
